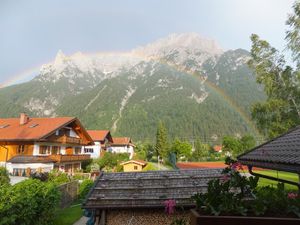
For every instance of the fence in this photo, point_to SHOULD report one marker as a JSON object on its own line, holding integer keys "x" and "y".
{"x": 69, "y": 192}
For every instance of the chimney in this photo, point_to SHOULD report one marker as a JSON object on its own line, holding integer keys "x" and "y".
{"x": 23, "y": 118}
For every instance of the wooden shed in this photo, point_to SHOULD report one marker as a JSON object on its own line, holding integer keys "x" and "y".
{"x": 138, "y": 198}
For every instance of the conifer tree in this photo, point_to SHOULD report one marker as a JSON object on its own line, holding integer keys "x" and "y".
{"x": 161, "y": 146}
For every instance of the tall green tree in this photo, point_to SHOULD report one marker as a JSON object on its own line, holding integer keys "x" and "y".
{"x": 248, "y": 142}
{"x": 232, "y": 145}
{"x": 201, "y": 151}
{"x": 161, "y": 146}
{"x": 237, "y": 146}
{"x": 281, "y": 83}
{"x": 182, "y": 149}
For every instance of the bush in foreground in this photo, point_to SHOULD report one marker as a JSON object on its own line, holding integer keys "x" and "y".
{"x": 30, "y": 202}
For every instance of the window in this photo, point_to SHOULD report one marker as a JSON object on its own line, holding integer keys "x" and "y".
{"x": 21, "y": 149}
{"x": 135, "y": 167}
{"x": 33, "y": 125}
{"x": 77, "y": 150}
{"x": 88, "y": 150}
{"x": 55, "y": 150}
{"x": 44, "y": 149}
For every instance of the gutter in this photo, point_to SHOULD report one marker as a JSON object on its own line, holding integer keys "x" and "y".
{"x": 273, "y": 178}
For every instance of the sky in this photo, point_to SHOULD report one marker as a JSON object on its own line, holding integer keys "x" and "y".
{"x": 32, "y": 31}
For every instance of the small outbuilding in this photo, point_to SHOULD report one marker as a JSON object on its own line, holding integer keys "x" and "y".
{"x": 139, "y": 198}
{"x": 133, "y": 165}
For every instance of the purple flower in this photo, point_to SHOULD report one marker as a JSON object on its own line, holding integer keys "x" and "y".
{"x": 170, "y": 206}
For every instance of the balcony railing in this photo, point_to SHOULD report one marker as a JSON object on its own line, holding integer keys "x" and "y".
{"x": 70, "y": 140}
{"x": 69, "y": 158}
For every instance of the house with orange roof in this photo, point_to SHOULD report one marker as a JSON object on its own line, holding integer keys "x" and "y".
{"x": 218, "y": 148}
{"x": 42, "y": 144}
{"x": 102, "y": 140}
{"x": 122, "y": 145}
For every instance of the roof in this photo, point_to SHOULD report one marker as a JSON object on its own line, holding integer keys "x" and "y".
{"x": 218, "y": 148}
{"x": 31, "y": 159}
{"x": 98, "y": 135}
{"x": 280, "y": 153}
{"x": 35, "y": 128}
{"x": 139, "y": 162}
{"x": 148, "y": 189}
{"x": 122, "y": 141}
{"x": 197, "y": 165}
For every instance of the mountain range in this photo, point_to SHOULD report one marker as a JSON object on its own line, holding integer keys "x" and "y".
{"x": 189, "y": 82}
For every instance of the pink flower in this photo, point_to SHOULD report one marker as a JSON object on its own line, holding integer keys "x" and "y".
{"x": 292, "y": 195}
{"x": 170, "y": 206}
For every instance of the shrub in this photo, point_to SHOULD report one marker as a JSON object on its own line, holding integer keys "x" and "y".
{"x": 58, "y": 177}
{"x": 4, "y": 178}
{"x": 149, "y": 167}
{"x": 30, "y": 202}
{"x": 85, "y": 187}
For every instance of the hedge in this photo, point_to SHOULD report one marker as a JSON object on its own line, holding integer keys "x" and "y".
{"x": 30, "y": 202}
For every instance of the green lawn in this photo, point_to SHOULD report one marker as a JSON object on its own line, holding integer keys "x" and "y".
{"x": 68, "y": 216}
{"x": 282, "y": 175}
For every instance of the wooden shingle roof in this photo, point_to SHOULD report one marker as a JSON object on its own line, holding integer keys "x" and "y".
{"x": 148, "y": 189}
{"x": 281, "y": 153}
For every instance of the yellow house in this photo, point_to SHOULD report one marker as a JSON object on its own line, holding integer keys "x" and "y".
{"x": 133, "y": 165}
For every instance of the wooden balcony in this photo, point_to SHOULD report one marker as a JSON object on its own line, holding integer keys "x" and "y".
{"x": 69, "y": 158}
{"x": 70, "y": 140}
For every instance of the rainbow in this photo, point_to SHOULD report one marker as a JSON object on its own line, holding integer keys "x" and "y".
{"x": 21, "y": 77}
{"x": 211, "y": 86}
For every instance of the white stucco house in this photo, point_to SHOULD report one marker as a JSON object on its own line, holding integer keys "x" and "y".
{"x": 102, "y": 140}
{"x": 122, "y": 145}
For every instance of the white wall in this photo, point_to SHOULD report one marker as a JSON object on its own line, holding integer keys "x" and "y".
{"x": 122, "y": 149}
{"x": 96, "y": 150}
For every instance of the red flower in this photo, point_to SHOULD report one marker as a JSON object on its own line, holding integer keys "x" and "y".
{"x": 170, "y": 206}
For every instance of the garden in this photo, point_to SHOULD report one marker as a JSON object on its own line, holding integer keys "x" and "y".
{"x": 36, "y": 201}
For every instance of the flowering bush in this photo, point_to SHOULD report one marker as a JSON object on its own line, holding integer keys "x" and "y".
{"x": 234, "y": 194}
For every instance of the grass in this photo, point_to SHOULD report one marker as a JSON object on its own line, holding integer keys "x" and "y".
{"x": 70, "y": 215}
{"x": 282, "y": 175}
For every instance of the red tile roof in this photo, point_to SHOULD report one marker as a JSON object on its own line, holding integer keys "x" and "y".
{"x": 218, "y": 148}
{"x": 35, "y": 129}
{"x": 98, "y": 135}
{"x": 122, "y": 141}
